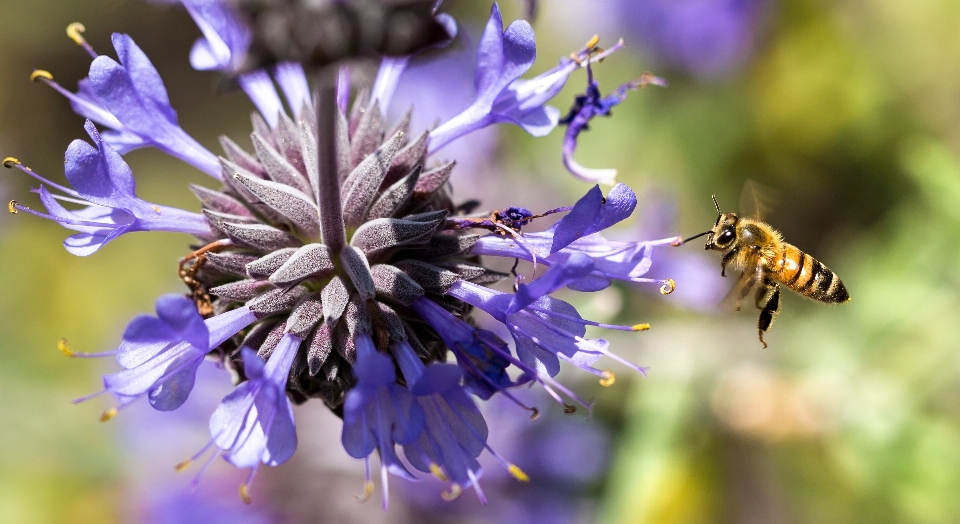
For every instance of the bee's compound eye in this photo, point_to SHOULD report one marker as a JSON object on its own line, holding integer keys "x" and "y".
{"x": 725, "y": 238}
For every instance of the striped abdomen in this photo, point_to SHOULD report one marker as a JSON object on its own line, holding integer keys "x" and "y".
{"x": 807, "y": 276}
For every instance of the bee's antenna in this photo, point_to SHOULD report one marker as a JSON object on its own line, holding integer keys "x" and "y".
{"x": 685, "y": 240}
{"x": 714, "y": 197}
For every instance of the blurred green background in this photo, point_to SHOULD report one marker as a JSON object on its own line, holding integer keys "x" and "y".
{"x": 849, "y": 111}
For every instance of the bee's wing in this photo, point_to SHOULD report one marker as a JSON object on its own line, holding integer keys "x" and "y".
{"x": 747, "y": 281}
{"x": 757, "y": 199}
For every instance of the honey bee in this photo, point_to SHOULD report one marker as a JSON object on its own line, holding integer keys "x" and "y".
{"x": 766, "y": 261}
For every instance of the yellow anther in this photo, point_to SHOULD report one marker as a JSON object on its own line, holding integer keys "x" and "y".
{"x": 453, "y": 494}
{"x": 608, "y": 378}
{"x": 157, "y": 209}
{"x": 183, "y": 465}
{"x": 367, "y": 491}
{"x": 40, "y": 73}
{"x": 593, "y": 42}
{"x": 438, "y": 472}
{"x": 108, "y": 414}
{"x": 64, "y": 346}
{"x": 668, "y": 287}
{"x": 245, "y": 493}
{"x": 518, "y": 473}
{"x": 677, "y": 242}
{"x": 535, "y": 415}
{"x": 641, "y": 327}
{"x": 12, "y": 207}
{"x": 9, "y": 162}
{"x": 74, "y": 30}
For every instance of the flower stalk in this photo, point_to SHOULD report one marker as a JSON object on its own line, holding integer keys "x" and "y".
{"x": 332, "y": 229}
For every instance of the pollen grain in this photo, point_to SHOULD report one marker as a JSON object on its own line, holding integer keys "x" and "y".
{"x": 64, "y": 346}
{"x": 40, "y": 73}
{"x": 438, "y": 472}
{"x": 668, "y": 287}
{"x": 367, "y": 492}
{"x": 108, "y": 414}
{"x": 608, "y": 378}
{"x": 453, "y": 494}
{"x": 74, "y": 30}
{"x": 518, "y": 473}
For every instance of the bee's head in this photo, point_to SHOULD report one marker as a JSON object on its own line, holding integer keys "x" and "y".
{"x": 724, "y": 232}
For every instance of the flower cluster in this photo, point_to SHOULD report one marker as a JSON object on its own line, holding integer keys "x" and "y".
{"x": 333, "y": 261}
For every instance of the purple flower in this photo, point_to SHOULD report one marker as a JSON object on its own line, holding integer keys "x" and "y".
{"x": 293, "y": 82}
{"x": 225, "y": 36}
{"x": 708, "y": 38}
{"x": 578, "y": 233}
{"x": 152, "y": 441}
{"x": 177, "y": 320}
{"x": 455, "y": 432}
{"x": 161, "y": 354}
{"x": 481, "y": 354}
{"x": 391, "y": 68}
{"x": 334, "y": 252}
{"x": 438, "y": 86}
{"x": 587, "y": 106}
{"x": 545, "y": 329}
{"x": 129, "y": 98}
{"x": 502, "y": 56}
{"x": 379, "y": 414}
{"x": 559, "y": 490}
{"x": 223, "y": 48}
{"x": 104, "y": 184}
{"x": 254, "y": 423}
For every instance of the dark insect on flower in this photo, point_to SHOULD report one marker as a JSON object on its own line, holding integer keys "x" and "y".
{"x": 503, "y": 222}
{"x": 334, "y": 265}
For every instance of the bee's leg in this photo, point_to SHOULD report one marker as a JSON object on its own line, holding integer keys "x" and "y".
{"x": 768, "y": 313}
{"x": 726, "y": 260}
{"x": 763, "y": 294}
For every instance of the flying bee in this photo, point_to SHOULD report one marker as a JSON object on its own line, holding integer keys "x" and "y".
{"x": 766, "y": 261}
